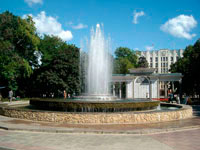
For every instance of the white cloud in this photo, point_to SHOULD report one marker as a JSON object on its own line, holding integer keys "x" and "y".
{"x": 136, "y": 15}
{"x": 79, "y": 26}
{"x": 180, "y": 26}
{"x": 149, "y": 48}
{"x": 50, "y": 26}
{"x": 136, "y": 49}
{"x": 31, "y": 2}
{"x": 69, "y": 23}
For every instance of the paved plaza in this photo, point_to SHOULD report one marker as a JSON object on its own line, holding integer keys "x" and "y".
{"x": 23, "y": 140}
{"x": 28, "y": 135}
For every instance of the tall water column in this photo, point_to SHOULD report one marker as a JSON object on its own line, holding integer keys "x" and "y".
{"x": 99, "y": 64}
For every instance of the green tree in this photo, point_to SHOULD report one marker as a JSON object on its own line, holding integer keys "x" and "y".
{"x": 124, "y": 52}
{"x": 12, "y": 68}
{"x": 18, "y": 42}
{"x": 124, "y": 60}
{"x": 21, "y": 34}
{"x": 188, "y": 67}
{"x": 122, "y": 65}
{"x": 59, "y": 69}
{"x": 143, "y": 63}
{"x": 194, "y": 60}
{"x": 49, "y": 46}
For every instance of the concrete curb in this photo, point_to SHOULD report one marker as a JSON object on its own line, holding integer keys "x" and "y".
{"x": 92, "y": 131}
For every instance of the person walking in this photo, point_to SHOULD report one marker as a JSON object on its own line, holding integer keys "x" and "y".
{"x": 10, "y": 95}
{"x": 171, "y": 96}
{"x": 64, "y": 94}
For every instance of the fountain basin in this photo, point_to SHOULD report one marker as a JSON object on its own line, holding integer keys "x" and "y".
{"x": 82, "y": 105}
{"x": 95, "y": 97}
{"x": 131, "y": 117}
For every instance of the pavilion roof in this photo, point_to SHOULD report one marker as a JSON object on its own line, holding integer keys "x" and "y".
{"x": 141, "y": 71}
{"x": 154, "y": 76}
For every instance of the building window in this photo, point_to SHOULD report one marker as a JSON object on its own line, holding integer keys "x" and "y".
{"x": 156, "y": 70}
{"x": 163, "y": 58}
{"x": 172, "y": 59}
{"x": 151, "y": 65}
{"x": 156, "y": 59}
{"x": 156, "y": 64}
{"x": 166, "y": 64}
{"x": 163, "y": 64}
{"x": 166, "y": 58}
{"x": 177, "y": 58}
{"x": 150, "y": 59}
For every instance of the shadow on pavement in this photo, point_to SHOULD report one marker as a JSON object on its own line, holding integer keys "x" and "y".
{"x": 196, "y": 110}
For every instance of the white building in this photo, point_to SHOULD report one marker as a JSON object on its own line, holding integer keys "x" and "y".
{"x": 143, "y": 83}
{"x": 162, "y": 59}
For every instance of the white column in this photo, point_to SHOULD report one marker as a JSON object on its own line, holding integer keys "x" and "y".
{"x": 158, "y": 88}
{"x": 120, "y": 90}
{"x": 113, "y": 89}
{"x": 126, "y": 89}
{"x": 129, "y": 89}
{"x": 150, "y": 90}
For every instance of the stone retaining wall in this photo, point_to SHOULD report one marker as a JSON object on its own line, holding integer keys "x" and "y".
{"x": 98, "y": 118}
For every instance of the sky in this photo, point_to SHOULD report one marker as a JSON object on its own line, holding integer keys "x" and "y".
{"x": 138, "y": 25}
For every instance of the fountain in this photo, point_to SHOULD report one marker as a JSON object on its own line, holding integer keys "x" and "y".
{"x": 98, "y": 97}
{"x": 99, "y": 65}
{"x": 97, "y": 106}
{"x": 99, "y": 70}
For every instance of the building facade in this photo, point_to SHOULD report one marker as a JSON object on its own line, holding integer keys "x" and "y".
{"x": 162, "y": 59}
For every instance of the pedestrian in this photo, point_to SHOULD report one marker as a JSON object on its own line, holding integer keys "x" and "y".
{"x": 68, "y": 95}
{"x": 177, "y": 99}
{"x": 10, "y": 95}
{"x": 0, "y": 96}
{"x": 170, "y": 96}
{"x": 64, "y": 94}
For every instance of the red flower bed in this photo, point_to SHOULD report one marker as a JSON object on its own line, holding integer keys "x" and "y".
{"x": 160, "y": 99}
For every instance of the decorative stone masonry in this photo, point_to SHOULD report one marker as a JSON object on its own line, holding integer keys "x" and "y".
{"x": 98, "y": 118}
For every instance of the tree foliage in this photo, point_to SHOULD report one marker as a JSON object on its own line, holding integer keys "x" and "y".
{"x": 124, "y": 52}
{"x": 122, "y": 65}
{"x": 143, "y": 63}
{"x": 31, "y": 65}
{"x": 59, "y": 69}
{"x": 18, "y": 41}
{"x": 188, "y": 66}
{"x": 124, "y": 60}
